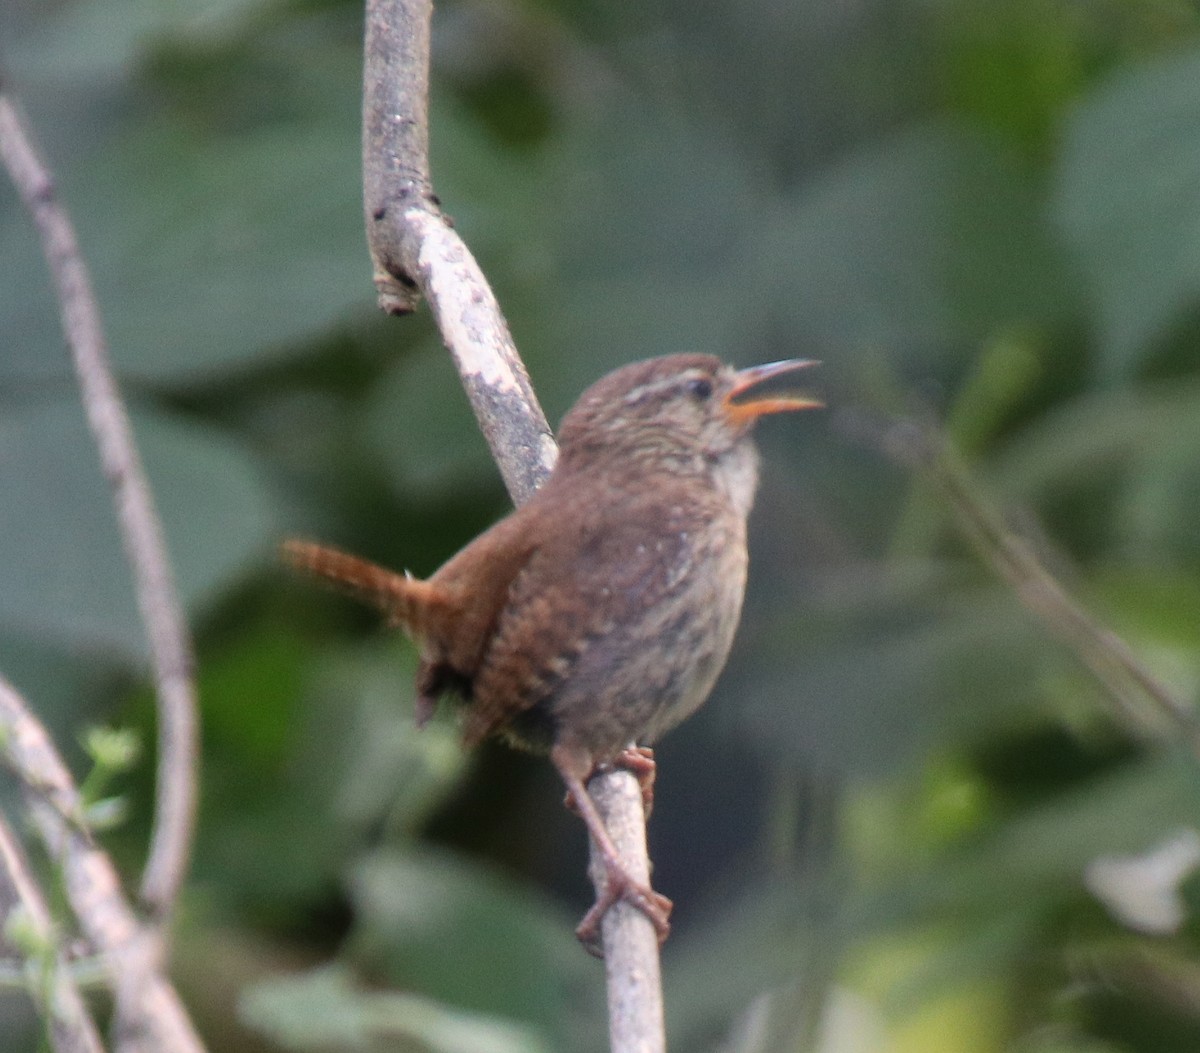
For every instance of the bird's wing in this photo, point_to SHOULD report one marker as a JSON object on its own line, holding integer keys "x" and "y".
{"x": 475, "y": 585}
{"x": 595, "y": 573}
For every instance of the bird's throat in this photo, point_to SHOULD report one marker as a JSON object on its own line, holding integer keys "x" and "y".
{"x": 735, "y": 474}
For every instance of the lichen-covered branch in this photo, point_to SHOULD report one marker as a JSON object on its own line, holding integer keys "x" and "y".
{"x": 477, "y": 336}
{"x": 141, "y": 533}
{"x": 395, "y": 142}
{"x": 149, "y": 1016}
{"x": 417, "y": 253}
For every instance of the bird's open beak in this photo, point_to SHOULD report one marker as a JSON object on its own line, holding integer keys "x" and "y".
{"x": 783, "y": 402}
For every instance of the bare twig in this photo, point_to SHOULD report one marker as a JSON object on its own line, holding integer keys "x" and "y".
{"x": 1110, "y": 660}
{"x": 395, "y": 142}
{"x": 631, "y": 963}
{"x": 150, "y": 1017}
{"x": 416, "y": 252}
{"x": 71, "y": 1027}
{"x": 141, "y": 532}
{"x": 477, "y": 336}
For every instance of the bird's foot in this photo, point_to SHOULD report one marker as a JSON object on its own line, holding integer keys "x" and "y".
{"x": 639, "y": 762}
{"x": 576, "y": 766}
{"x": 620, "y": 885}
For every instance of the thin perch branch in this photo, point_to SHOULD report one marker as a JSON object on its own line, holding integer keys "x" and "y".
{"x": 631, "y": 960}
{"x": 141, "y": 532}
{"x": 71, "y": 1027}
{"x": 149, "y": 1016}
{"x": 395, "y": 142}
{"x": 477, "y": 336}
{"x": 417, "y": 253}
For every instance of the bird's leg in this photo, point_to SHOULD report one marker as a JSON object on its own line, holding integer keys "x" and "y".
{"x": 618, "y": 882}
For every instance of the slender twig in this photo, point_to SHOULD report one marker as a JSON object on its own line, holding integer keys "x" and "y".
{"x": 71, "y": 1027}
{"x": 417, "y": 253}
{"x": 150, "y": 1017}
{"x": 141, "y": 532}
{"x": 477, "y": 336}
{"x": 631, "y": 960}
{"x": 395, "y": 141}
{"x": 1111, "y": 661}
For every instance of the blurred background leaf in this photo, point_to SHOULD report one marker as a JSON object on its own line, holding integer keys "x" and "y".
{"x": 324, "y": 1010}
{"x": 67, "y": 581}
{"x": 1127, "y": 197}
{"x": 877, "y": 833}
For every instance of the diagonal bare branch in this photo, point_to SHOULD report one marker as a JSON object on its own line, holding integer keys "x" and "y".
{"x": 158, "y": 601}
{"x": 150, "y": 1016}
{"x": 416, "y": 252}
{"x": 1144, "y": 701}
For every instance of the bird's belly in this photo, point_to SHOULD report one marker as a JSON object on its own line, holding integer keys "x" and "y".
{"x": 640, "y": 679}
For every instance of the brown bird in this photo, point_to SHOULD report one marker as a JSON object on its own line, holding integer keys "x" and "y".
{"x": 598, "y": 614}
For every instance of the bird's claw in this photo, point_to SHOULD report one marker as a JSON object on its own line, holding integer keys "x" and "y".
{"x": 639, "y": 762}
{"x": 618, "y": 885}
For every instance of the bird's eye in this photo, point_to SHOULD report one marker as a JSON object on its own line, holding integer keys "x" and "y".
{"x": 699, "y": 388}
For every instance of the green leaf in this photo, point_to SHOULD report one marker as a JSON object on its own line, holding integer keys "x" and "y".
{"x": 887, "y": 667}
{"x": 1157, "y": 603}
{"x": 113, "y": 750}
{"x": 265, "y": 663}
{"x": 329, "y": 1009}
{"x": 778, "y": 931}
{"x": 64, "y": 577}
{"x": 654, "y": 262}
{"x": 64, "y": 687}
{"x": 33, "y": 345}
{"x": 224, "y": 227}
{"x": 215, "y": 237}
{"x": 1042, "y": 852}
{"x": 497, "y": 200}
{"x": 1127, "y": 197}
{"x": 327, "y": 756}
{"x": 215, "y": 504}
{"x": 448, "y": 929}
{"x": 1015, "y": 66}
{"x": 366, "y": 730}
{"x": 232, "y": 249}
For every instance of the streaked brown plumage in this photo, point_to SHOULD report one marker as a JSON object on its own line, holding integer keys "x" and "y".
{"x": 599, "y": 613}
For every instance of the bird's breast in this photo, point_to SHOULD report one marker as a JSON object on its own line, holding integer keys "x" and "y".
{"x": 695, "y": 631}
{"x": 641, "y": 672}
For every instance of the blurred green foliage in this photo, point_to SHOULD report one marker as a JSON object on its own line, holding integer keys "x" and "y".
{"x": 879, "y": 832}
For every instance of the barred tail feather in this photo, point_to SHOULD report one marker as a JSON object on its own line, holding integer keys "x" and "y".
{"x": 406, "y": 601}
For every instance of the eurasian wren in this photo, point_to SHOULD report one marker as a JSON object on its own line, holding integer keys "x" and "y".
{"x": 598, "y": 614}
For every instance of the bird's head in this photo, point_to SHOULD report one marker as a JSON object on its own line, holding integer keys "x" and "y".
{"x": 675, "y": 406}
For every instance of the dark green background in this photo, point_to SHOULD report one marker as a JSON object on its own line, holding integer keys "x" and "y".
{"x": 986, "y": 215}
